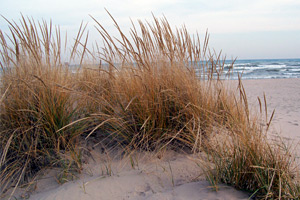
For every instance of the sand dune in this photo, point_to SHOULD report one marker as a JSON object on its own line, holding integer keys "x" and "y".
{"x": 171, "y": 175}
{"x": 174, "y": 176}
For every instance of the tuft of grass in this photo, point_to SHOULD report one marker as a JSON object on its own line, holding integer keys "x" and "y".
{"x": 36, "y": 103}
{"x": 162, "y": 88}
{"x": 248, "y": 160}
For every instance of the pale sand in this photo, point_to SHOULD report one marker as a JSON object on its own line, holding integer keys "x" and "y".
{"x": 283, "y": 95}
{"x": 175, "y": 175}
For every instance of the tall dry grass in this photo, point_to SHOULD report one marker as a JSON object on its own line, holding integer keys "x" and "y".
{"x": 246, "y": 158}
{"x": 37, "y": 101}
{"x": 159, "y": 88}
{"x": 154, "y": 96}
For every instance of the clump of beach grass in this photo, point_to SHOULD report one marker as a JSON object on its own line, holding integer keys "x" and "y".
{"x": 248, "y": 159}
{"x": 37, "y": 101}
{"x": 164, "y": 88}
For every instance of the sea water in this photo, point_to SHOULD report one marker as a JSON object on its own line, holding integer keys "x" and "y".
{"x": 249, "y": 69}
{"x": 264, "y": 68}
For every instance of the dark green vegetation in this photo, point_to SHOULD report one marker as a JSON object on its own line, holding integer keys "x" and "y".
{"x": 157, "y": 89}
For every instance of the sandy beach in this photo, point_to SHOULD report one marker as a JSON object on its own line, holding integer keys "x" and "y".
{"x": 282, "y": 95}
{"x": 170, "y": 175}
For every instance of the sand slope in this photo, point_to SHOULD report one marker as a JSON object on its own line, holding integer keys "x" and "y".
{"x": 175, "y": 176}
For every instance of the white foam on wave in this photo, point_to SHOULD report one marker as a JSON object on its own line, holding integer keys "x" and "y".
{"x": 295, "y": 70}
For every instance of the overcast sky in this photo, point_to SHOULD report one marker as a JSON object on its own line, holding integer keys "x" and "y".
{"x": 246, "y": 29}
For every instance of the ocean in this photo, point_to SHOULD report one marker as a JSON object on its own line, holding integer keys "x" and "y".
{"x": 265, "y": 68}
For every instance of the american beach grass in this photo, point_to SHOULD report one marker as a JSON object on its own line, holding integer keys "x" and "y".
{"x": 154, "y": 89}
